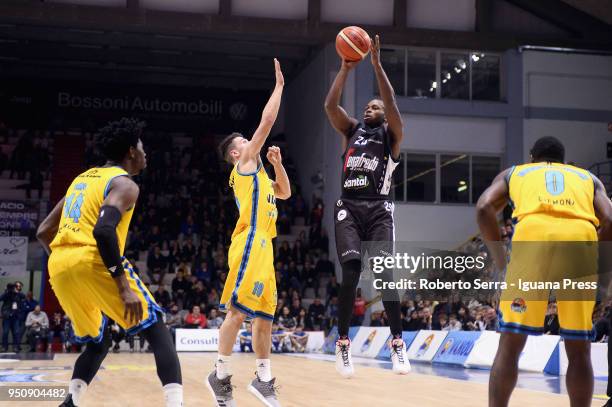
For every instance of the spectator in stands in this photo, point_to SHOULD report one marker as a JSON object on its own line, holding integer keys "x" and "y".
{"x": 331, "y": 312}
{"x": 309, "y": 277}
{"x": 197, "y": 295}
{"x": 375, "y": 319}
{"x": 453, "y": 323}
{"x": 332, "y": 288}
{"x": 69, "y": 333}
{"x": 246, "y": 339}
{"x": 117, "y": 335}
{"x": 195, "y": 319}
{"x": 180, "y": 287}
{"x": 325, "y": 267}
{"x": 299, "y": 339}
{"x": 286, "y": 321}
{"x": 214, "y": 319}
{"x": 157, "y": 265}
{"x": 162, "y": 296}
{"x": 174, "y": 320}
{"x": 551, "y": 321}
{"x": 415, "y": 321}
{"x": 442, "y": 324}
{"x": 490, "y": 319}
{"x": 37, "y": 326}
{"x": 13, "y": 309}
{"x": 279, "y": 338}
{"x": 359, "y": 309}
{"x": 296, "y": 307}
{"x": 57, "y": 328}
{"x": 316, "y": 313}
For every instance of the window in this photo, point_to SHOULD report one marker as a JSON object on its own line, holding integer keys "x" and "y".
{"x": 394, "y": 61}
{"x": 398, "y": 180}
{"x": 455, "y": 178}
{"x": 420, "y": 177}
{"x": 485, "y": 76}
{"x": 421, "y": 74}
{"x": 484, "y": 170}
{"x": 429, "y": 73}
{"x": 462, "y": 177}
{"x": 454, "y": 76}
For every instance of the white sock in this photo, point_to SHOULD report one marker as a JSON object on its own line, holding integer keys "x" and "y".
{"x": 223, "y": 366}
{"x": 77, "y": 388}
{"x": 173, "y": 393}
{"x": 263, "y": 370}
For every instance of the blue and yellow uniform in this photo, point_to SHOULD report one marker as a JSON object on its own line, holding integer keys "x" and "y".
{"x": 555, "y": 225}
{"x": 84, "y": 287}
{"x": 251, "y": 283}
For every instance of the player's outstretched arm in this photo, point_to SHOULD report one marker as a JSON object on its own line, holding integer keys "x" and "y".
{"x": 490, "y": 204}
{"x": 48, "y": 228}
{"x": 387, "y": 94}
{"x": 282, "y": 187}
{"x": 268, "y": 117}
{"x": 121, "y": 198}
{"x": 339, "y": 119}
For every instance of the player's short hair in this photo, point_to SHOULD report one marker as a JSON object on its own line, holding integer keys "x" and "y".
{"x": 225, "y": 147}
{"x": 548, "y": 149}
{"x": 115, "y": 139}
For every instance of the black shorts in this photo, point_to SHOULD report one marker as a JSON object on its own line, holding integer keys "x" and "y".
{"x": 360, "y": 221}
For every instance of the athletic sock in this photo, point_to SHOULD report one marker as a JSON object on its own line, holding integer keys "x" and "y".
{"x": 173, "y": 393}
{"x": 223, "y": 366}
{"x": 263, "y": 370}
{"x": 77, "y": 388}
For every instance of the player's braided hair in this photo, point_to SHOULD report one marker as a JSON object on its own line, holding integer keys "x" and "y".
{"x": 225, "y": 147}
{"x": 115, "y": 139}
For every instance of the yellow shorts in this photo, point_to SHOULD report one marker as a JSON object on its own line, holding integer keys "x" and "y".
{"x": 251, "y": 283}
{"x": 561, "y": 253}
{"x": 87, "y": 293}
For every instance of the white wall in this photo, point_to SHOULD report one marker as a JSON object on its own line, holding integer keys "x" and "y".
{"x": 455, "y": 15}
{"x": 453, "y": 133}
{"x": 292, "y": 9}
{"x": 434, "y": 223}
{"x": 567, "y": 80}
{"x": 379, "y": 12}
{"x": 585, "y": 142}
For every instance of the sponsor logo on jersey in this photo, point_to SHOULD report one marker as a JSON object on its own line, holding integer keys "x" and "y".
{"x": 351, "y": 251}
{"x": 339, "y": 203}
{"x": 342, "y": 214}
{"x": 360, "y": 182}
{"x": 362, "y": 161}
{"x": 518, "y": 305}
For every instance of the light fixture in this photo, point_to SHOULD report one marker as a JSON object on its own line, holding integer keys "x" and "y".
{"x": 447, "y": 74}
{"x": 461, "y": 64}
{"x": 462, "y": 182}
{"x": 475, "y": 58}
{"x": 444, "y": 80}
{"x": 457, "y": 70}
{"x": 462, "y": 188}
{"x": 434, "y": 84}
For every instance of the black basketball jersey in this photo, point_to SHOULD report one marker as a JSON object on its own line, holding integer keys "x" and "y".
{"x": 367, "y": 170}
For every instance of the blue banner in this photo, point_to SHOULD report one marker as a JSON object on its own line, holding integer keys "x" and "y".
{"x": 456, "y": 347}
{"x": 407, "y": 336}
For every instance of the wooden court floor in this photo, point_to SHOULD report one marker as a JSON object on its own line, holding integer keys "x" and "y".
{"x": 131, "y": 380}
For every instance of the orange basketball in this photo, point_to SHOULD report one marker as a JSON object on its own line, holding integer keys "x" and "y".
{"x": 353, "y": 43}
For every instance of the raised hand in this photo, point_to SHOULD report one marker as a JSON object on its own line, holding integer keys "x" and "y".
{"x": 274, "y": 155}
{"x": 375, "y": 51}
{"x": 348, "y": 65}
{"x": 280, "y": 79}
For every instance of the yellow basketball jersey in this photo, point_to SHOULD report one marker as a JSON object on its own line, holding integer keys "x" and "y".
{"x": 256, "y": 201}
{"x": 82, "y": 205}
{"x": 555, "y": 189}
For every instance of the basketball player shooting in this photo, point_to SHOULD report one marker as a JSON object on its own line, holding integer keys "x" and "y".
{"x": 85, "y": 235}
{"x": 250, "y": 288}
{"x": 365, "y": 210}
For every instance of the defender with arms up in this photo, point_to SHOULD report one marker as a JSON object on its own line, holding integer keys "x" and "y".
{"x": 250, "y": 288}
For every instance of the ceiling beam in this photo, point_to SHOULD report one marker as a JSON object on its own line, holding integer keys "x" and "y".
{"x": 276, "y": 30}
{"x": 565, "y": 16}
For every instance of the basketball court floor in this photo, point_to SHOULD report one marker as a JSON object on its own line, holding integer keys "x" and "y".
{"x": 130, "y": 379}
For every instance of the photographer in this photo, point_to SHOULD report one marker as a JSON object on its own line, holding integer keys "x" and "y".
{"x": 13, "y": 306}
